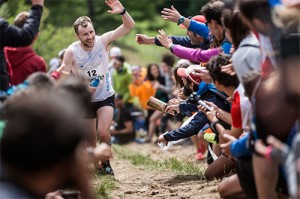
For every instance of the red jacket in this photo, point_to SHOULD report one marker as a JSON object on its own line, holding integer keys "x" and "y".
{"x": 22, "y": 62}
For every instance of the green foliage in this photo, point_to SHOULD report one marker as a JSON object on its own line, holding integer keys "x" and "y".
{"x": 10, "y": 9}
{"x": 195, "y": 7}
{"x": 56, "y": 30}
{"x": 52, "y": 40}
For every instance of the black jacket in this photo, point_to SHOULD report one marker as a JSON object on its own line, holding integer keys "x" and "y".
{"x": 16, "y": 37}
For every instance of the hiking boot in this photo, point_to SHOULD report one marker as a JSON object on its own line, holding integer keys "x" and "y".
{"x": 105, "y": 168}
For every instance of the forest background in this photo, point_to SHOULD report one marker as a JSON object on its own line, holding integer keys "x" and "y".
{"x": 56, "y": 30}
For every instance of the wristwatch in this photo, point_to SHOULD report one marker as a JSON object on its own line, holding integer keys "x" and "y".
{"x": 180, "y": 20}
{"x": 123, "y": 12}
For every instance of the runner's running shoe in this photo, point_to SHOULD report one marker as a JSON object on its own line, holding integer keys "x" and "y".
{"x": 105, "y": 168}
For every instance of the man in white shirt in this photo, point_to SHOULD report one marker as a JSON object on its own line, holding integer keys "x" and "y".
{"x": 88, "y": 58}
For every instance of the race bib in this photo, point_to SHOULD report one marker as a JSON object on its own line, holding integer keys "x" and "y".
{"x": 92, "y": 72}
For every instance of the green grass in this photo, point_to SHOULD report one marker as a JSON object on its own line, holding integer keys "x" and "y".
{"x": 173, "y": 164}
{"x": 144, "y": 54}
{"x": 103, "y": 186}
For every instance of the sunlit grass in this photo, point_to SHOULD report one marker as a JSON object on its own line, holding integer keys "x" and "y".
{"x": 103, "y": 185}
{"x": 174, "y": 164}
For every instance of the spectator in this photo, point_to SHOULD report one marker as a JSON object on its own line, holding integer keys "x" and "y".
{"x": 140, "y": 88}
{"x": 56, "y": 62}
{"x": 192, "y": 40}
{"x": 45, "y": 148}
{"x": 113, "y": 53}
{"x": 23, "y": 61}
{"x": 158, "y": 82}
{"x": 15, "y": 37}
{"x": 246, "y": 56}
{"x": 122, "y": 130}
{"x": 122, "y": 79}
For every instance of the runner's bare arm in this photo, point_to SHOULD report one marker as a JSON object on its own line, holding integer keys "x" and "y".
{"x": 128, "y": 22}
{"x": 66, "y": 66}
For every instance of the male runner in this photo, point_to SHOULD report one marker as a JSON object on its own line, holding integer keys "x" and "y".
{"x": 88, "y": 58}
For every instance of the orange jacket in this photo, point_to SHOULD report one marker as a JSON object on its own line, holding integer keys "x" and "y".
{"x": 143, "y": 91}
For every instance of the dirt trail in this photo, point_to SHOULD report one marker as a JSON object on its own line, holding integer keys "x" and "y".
{"x": 140, "y": 182}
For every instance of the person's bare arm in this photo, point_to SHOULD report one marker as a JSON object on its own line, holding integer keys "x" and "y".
{"x": 144, "y": 39}
{"x": 173, "y": 15}
{"x": 66, "y": 66}
{"x": 128, "y": 129}
{"x": 128, "y": 22}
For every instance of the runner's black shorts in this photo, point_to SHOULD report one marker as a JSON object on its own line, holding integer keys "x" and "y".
{"x": 94, "y": 106}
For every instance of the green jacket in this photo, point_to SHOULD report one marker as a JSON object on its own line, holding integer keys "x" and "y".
{"x": 121, "y": 81}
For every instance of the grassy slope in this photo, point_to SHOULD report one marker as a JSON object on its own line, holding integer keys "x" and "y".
{"x": 144, "y": 54}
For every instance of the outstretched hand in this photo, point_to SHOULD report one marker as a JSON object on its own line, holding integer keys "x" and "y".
{"x": 170, "y": 14}
{"x": 115, "y": 6}
{"x": 172, "y": 109}
{"x": 164, "y": 39}
{"x": 141, "y": 39}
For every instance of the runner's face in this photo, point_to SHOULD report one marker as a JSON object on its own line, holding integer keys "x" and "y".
{"x": 86, "y": 35}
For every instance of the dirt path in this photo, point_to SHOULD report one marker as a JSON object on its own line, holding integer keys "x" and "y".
{"x": 141, "y": 182}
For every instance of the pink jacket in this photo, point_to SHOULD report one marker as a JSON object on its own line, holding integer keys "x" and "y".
{"x": 194, "y": 55}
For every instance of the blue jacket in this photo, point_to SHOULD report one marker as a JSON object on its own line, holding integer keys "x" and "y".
{"x": 199, "y": 29}
{"x": 198, "y": 122}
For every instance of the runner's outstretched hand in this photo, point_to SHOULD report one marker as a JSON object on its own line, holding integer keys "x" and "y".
{"x": 115, "y": 6}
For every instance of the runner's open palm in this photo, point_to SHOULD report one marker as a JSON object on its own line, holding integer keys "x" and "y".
{"x": 115, "y": 6}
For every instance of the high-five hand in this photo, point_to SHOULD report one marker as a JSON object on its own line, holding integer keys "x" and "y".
{"x": 115, "y": 6}
{"x": 164, "y": 39}
{"x": 170, "y": 14}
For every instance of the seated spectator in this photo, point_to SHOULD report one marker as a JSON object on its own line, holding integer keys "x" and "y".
{"x": 140, "y": 88}
{"x": 240, "y": 114}
{"x": 23, "y": 61}
{"x": 221, "y": 165}
{"x": 122, "y": 130}
{"x": 158, "y": 83}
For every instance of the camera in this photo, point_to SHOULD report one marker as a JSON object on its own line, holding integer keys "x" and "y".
{"x": 194, "y": 98}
